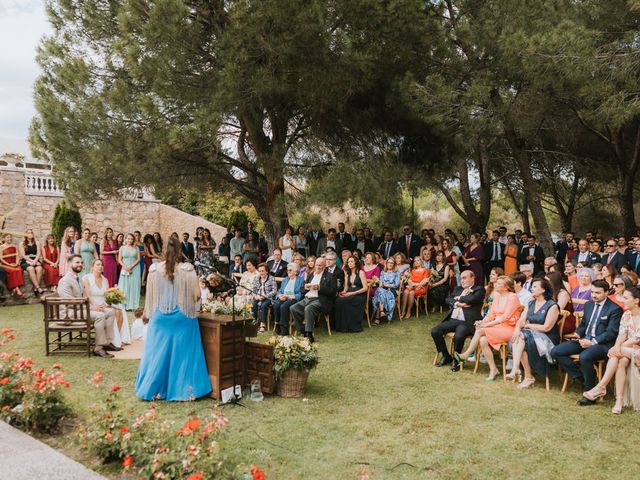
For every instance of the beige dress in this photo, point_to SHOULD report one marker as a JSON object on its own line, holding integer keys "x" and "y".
{"x": 632, "y": 385}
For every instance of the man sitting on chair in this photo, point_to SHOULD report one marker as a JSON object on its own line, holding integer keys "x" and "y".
{"x": 466, "y": 309}
{"x": 103, "y": 319}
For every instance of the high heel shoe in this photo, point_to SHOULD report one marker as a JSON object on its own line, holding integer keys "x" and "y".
{"x": 526, "y": 383}
{"x": 596, "y": 396}
{"x": 459, "y": 358}
{"x": 513, "y": 376}
{"x": 617, "y": 408}
{"x": 492, "y": 378}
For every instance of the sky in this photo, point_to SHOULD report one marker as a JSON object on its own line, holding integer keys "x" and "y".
{"x": 22, "y": 24}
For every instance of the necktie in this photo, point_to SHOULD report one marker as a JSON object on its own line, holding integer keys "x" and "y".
{"x": 609, "y": 258}
{"x": 637, "y": 261}
{"x": 408, "y": 244}
{"x": 275, "y": 267}
{"x": 592, "y": 321}
{"x": 388, "y": 251}
{"x": 495, "y": 251}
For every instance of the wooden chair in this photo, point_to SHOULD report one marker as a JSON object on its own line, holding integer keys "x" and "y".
{"x": 366, "y": 305}
{"x": 327, "y": 320}
{"x": 449, "y": 336}
{"x": 504, "y": 352}
{"x": 71, "y": 334}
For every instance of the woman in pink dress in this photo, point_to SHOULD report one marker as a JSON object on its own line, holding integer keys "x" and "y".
{"x": 66, "y": 248}
{"x": 497, "y": 327}
{"x": 371, "y": 270}
{"x": 109, "y": 254}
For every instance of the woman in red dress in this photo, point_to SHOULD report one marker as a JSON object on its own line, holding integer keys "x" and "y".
{"x": 50, "y": 262}
{"x": 109, "y": 251}
{"x": 10, "y": 262}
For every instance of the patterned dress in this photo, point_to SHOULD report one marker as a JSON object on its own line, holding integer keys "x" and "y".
{"x": 387, "y": 296}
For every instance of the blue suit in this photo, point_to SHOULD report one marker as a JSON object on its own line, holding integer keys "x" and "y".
{"x": 633, "y": 259}
{"x": 281, "y": 307}
{"x": 604, "y": 335}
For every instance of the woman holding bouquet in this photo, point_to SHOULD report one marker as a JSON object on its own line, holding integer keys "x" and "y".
{"x": 173, "y": 365}
{"x": 129, "y": 283}
{"x": 384, "y": 300}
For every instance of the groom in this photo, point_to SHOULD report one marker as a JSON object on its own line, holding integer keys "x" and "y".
{"x": 466, "y": 304}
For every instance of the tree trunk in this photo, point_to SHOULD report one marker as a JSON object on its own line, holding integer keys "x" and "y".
{"x": 526, "y": 226}
{"x": 627, "y": 209}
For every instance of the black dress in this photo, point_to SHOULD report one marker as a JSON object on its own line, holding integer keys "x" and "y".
{"x": 438, "y": 295}
{"x": 349, "y": 311}
{"x": 538, "y": 363}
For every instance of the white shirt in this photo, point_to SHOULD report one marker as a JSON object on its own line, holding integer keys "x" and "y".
{"x": 525, "y": 297}
{"x": 331, "y": 243}
{"x": 314, "y": 281}
{"x": 532, "y": 252}
{"x": 503, "y": 240}
{"x": 360, "y": 246}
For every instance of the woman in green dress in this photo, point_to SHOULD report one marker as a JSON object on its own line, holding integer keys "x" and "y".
{"x": 87, "y": 250}
{"x": 129, "y": 282}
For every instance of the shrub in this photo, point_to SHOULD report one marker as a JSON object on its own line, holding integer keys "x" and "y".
{"x": 64, "y": 217}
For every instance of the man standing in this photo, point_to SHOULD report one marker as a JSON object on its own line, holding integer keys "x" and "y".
{"x": 595, "y": 335}
{"x": 533, "y": 255}
{"x": 409, "y": 243}
{"x": 465, "y": 309}
{"x": 584, "y": 255}
{"x": 633, "y": 256}
{"x": 503, "y": 235}
{"x": 344, "y": 237}
{"x": 236, "y": 244}
{"x": 613, "y": 256}
{"x": 362, "y": 243}
{"x": 103, "y": 316}
{"x": 277, "y": 267}
{"x": 329, "y": 241}
{"x": 494, "y": 252}
{"x": 188, "y": 252}
{"x": 320, "y": 294}
{"x": 313, "y": 237}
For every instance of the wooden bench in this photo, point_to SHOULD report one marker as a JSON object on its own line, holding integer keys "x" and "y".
{"x": 73, "y": 334}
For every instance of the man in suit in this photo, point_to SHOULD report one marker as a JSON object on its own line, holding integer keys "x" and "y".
{"x": 595, "y": 335}
{"x": 188, "y": 252}
{"x": 344, "y": 237}
{"x": 249, "y": 230}
{"x": 277, "y": 267}
{"x": 330, "y": 259}
{"x": 362, "y": 243}
{"x": 563, "y": 245}
{"x": 584, "y": 255}
{"x": 494, "y": 253}
{"x": 330, "y": 240}
{"x": 237, "y": 267}
{"x": 369, "y": 236}
{"x": 533, "y": 255}
{"x": 409, "y": 243}
{"x": 612, "y": 255}
{"x": 465, "y": 309}
{"x": 313, "y": 237}
{"x": 103, "y": 316}
{"x": 633, "y": 256}
{"x": 320, "y": 293}
{"x": 388, "y": 248}
{"x": 518, "y": 235}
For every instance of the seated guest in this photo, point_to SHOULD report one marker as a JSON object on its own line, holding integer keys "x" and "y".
{"x": 494, "y": 275}
{"x": 548, "y": 263}
{"x": 633, "y": 278}
{"x": 330, "y": 264}
{"x": 440, "y": 282}
{"x": 465, "y": 303}
{"x": 562, "y": 297}
{"x": 50, "y": 261}
{"x": 582, "y": 293}
{"x": 264, "y": 290}
{"x": 102, "y": 317}
{"x": 402, "y": 264}
{"x": 597, "y": 268}
{"x": 246, "y": 283}
{"x": 527, "y": 270}
{"x": 342, "y": 261}
{"x": 237, "y": 267}
{"x": 310, "y": 264}
{"x": 277, "y": 267}
{"x": 536, "y": 334}
{"x": 371, "y": 271}
{"x": 384, "y": 300}
{"x": 290, "y": 292}
{"x": 570, "y": 272}
{"x": 30, "y": 255}
{"x": 497, "y": 327}
{"x": 416, "y": 287}
{"x": 620, "y": 284}
{"x": 10, "y": 263}
{"x": 608, "y": 274}
{"x": 349, "y": 306}
{"x": 595, "y": 335}
{"x": 329, "y": 241}
{"x": 620, "y": 357}
{"x": 524, "y": 295}
{"x": 321, "y": 289}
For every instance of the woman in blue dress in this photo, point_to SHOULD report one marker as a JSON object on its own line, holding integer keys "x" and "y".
{"x": 384, "y": 300}
{"x": 173, "y": 365}
{"x": 129, "y": 281}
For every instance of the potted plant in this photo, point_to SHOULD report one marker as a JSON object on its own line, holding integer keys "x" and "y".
{"x": 293, "y": 358}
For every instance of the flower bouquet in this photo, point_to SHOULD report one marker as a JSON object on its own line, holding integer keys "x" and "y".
{"x": 243, "y": 310}
{"x": 374, "y": 282}
{"x": 293, "y": 358}
{"x": 114, "y": 296}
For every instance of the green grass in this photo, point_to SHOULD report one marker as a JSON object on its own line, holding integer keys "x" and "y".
{"x": 375, "y": 398}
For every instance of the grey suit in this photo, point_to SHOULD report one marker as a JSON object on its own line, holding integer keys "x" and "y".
{"x": 322, "y": 246}
{"x": 103, "y": 321}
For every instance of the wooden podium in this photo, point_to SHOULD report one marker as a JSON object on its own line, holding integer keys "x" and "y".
{"x": 251, "y": 360}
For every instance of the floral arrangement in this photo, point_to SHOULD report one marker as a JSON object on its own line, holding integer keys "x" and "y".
{"x": 223, "y": 308}
{"x": 30, "y": 398}
{"x": 374, "y": 282}
{"x": 292, "y": 352}
{"x": 154, "y": 449}
{"x": 433, "y": 276}
{"x": 114, "y": 296}
{"x": 406, "y": 276}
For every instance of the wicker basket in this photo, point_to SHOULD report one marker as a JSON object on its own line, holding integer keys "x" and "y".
{"x": 293, "y": 382}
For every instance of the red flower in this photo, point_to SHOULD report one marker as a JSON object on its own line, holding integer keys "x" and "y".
{"x": 257, "y": 473}
{"x": 196, "y": 476}
{"x": 124, "y": 429}
{"x": 4, "y": 381}
{"x": 6, "y": 330}
{"x": 115, "y": 388}
{"x": 127, "y": 461}
{"x": 193, "y": 424}
{"x": 97, "y": 378}
{"x": 56, "y": 366}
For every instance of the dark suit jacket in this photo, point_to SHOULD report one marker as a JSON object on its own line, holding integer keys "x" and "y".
{"x": 328, "y": 290}
{"x": 322, "y": 246}
{"x": 414, "y": 246}
{"x": 313, "y": 243}
{"x": 608, "y": 322}
{"x": 561, "y": 246}
{"x": 281, "y": 271}
{"x": 232, "y": 269}
{"x": 488, "y": 251}
{"x": 617, "y": 261}
{"x": 345, "y": 240}
{"x": 538, "y": 263}
{"x": 475, "y": 299}
{"x": 339, "y": 274}
{"x": 368, "y": 245}
{"x": 382, "y": 249}
{"x": 632, "y": 259}
{"x": 188, "y": 250}
{"x": 591, "y": 258}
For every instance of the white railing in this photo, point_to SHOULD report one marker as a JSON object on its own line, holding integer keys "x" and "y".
{"x": 42, "y": 185}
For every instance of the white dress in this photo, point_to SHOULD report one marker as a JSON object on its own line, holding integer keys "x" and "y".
{"x": 123, "y": 335}
{"x": 287, "y": 255}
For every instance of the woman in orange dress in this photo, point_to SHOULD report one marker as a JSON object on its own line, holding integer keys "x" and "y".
{"x": 510, "y": 255}
{"x": 10, "y": 262}
{"x": 50, "y": 259}
{"x": 416, "y": 286}
{"x": 497, "y": 327}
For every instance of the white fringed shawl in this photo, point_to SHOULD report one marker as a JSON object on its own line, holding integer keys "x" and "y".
{"x": 166, "y": 295}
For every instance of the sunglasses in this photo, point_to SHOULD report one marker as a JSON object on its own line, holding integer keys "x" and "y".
{"x": 611, "y": 246}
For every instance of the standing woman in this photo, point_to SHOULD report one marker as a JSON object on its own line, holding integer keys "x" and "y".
{"x": 173, "y": 366}
{"x": 129, "y": 283}
{"x": 251, "y": 248}
{"x": 140, "y": 246}
{"x": 451, "y": 256}
{"x": 10, "y": 263}
{"x": 349, "y": 306}
{"x": 66, "y": 249}
{"x": 50, "y": 262}
{"x": 204, "y": 253}
{"x": 439, "y": 289}
{"x": 158, "y": 244}
{"x": 109, "y": 250}
{"x": 510, "y": 255}
{"x": 474, "y": 258}
{"x": 94, "y": 239}
{"x": 30, "y": 255}
{"x": 302, "y": 245}
{"x": 149, "y": 255}
{"x": 87, "y": 250}
{"x": 287, "y": 244}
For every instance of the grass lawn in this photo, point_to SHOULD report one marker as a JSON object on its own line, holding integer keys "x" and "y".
{"x": 376, "y": 399}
